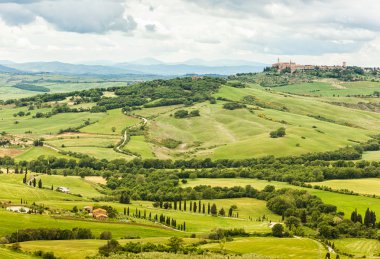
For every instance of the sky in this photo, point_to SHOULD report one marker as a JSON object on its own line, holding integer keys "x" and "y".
{"x": 108, "y": 31}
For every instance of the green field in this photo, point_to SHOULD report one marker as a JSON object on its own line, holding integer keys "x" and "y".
{"x": 114, "y": 118}
{"x": 34, "y": 152}
{"x": 11, "y": 221}
{"x": 8, "y": 254}
{"x": 372, "y": 156}
{"x": 137, "y": 144}
{"x": 346, "y": 204}
{"x": 274, "y": 247}
{"x": 76, "y": 184}
{"x": 359, "y": 247}
{"x": 368, "y": 186}
{"x": 331, "y": 88}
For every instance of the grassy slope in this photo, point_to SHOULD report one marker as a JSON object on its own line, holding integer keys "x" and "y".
{"x": 13, "y": 189}
{"x": 220, "y": 133}
{"x": 347, "y": 203}
{"x": 274, "y": 247}
{"x": 364, "y": 186}
{"x": 40, "y": 126}
{"x": 8, "y": 254}
{"x": 10, "y": 222}
{"x": 34, "y": 152}
{"x": 114, "y": 118}
{"x": 358, "y": 246}
{"x": 138, "y": 145}
{"x": 195, "y": 222}
{"x": 332, "y": 88}
{"x": 76, "y": 184}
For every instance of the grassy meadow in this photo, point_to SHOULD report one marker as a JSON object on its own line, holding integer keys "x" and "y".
{"x": 274, "y": 247}
{"x": 346, "y": 204}
{"x": 359, "y": 247}
{"x": 330, "y": 88}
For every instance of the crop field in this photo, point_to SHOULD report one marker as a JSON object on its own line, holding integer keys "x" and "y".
{"x": 359, "y": 247}
{"x": 372, "y": 156}
{"x": 40, "y": 126}
{"x": 137, "y": 144}
{"x": 79, "y": 249}
{"x": 112, "y": 123}
{"x": 274, "y": 247}
{"x": 218, "y": 133}
{"x": 11, "y": 221}
{"x": 34, "y": 152}
{"x": 363, "y": 186}
{"x": 331, "y": 88}
{"x": 76, "y": 184}
{"x": 195, "y": 222}
{"x": 347, "y": 203}
{"x": 12, "y": 189}
{"x": 8, "y": 254}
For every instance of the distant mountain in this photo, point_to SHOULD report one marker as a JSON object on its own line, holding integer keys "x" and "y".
{"x": 138, "y": 67}
{"x": 183, "y": 69}
{"x": 4, "y": 69}
{"x": 65, "y": 68}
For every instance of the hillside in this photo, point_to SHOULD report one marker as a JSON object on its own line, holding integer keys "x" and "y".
{"x": 312, "y": 123}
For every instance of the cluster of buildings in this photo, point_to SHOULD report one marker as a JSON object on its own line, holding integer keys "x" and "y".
{"x": 292, "y": 66}
{"x": 99, "y": 213}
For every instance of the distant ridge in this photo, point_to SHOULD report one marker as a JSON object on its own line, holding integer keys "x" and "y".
{"x": 143, "y": 66}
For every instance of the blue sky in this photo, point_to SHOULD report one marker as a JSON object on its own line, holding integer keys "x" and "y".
{"x": 307, "y": 31}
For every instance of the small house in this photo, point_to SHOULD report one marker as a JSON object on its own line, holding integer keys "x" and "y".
{"x": 63, "y": 189}
{"x": 100, "y": 214}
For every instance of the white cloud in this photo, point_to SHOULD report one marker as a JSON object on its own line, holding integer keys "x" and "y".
{"x": 309, "y": 31}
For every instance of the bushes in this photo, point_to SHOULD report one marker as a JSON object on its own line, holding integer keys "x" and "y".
{"x": 277, "y": 230}
{"x": 279, "y": 133}
{"x": 185, "y": 114}
{"x": 233, "y": 106}
{"x": 49, "y": 234}
{"x": 171, "y": 143}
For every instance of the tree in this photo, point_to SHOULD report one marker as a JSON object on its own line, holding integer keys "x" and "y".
{"x": 106, "y": 235}
{"x": 34, "y": 182}
{"x": 213, "y": 210}
{"x": 292, "y": 221}
{"x": 175, "y": 244}
{"x": 124, "y": 198}
{"x": 222, "y": 212}
{"x": 303, "y": 217}
{"x": 40, "y": 183}
{"x": 75, "y": 209}
{"x": 277, "y": 230}
{"x": 194, "y": 113}
{"x": 112, "y": 246}
{"x": 181, "y": 114}
{"x": 280, "y": 132}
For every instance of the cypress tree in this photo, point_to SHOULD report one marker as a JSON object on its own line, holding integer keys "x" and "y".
{"x": 203, "y": 208}
{"x": 195, "y": 207}
{"x": 214, "y": 210}
{"x": 40, "y": 183}
{"x": 208, "y": 208}
{"x": 184, "y": 205}
{"x": 199, "y": 206}
{"x": 180, "y": 205}
{"x": 125, "y": 211}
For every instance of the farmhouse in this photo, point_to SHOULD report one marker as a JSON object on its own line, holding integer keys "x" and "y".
{"x": 63, "y": 189}
{"x": 100, "y": 214}
{"x": 18, "y": 209}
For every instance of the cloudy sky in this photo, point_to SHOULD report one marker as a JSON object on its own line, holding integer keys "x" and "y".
{"x": 307, "y": 31}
